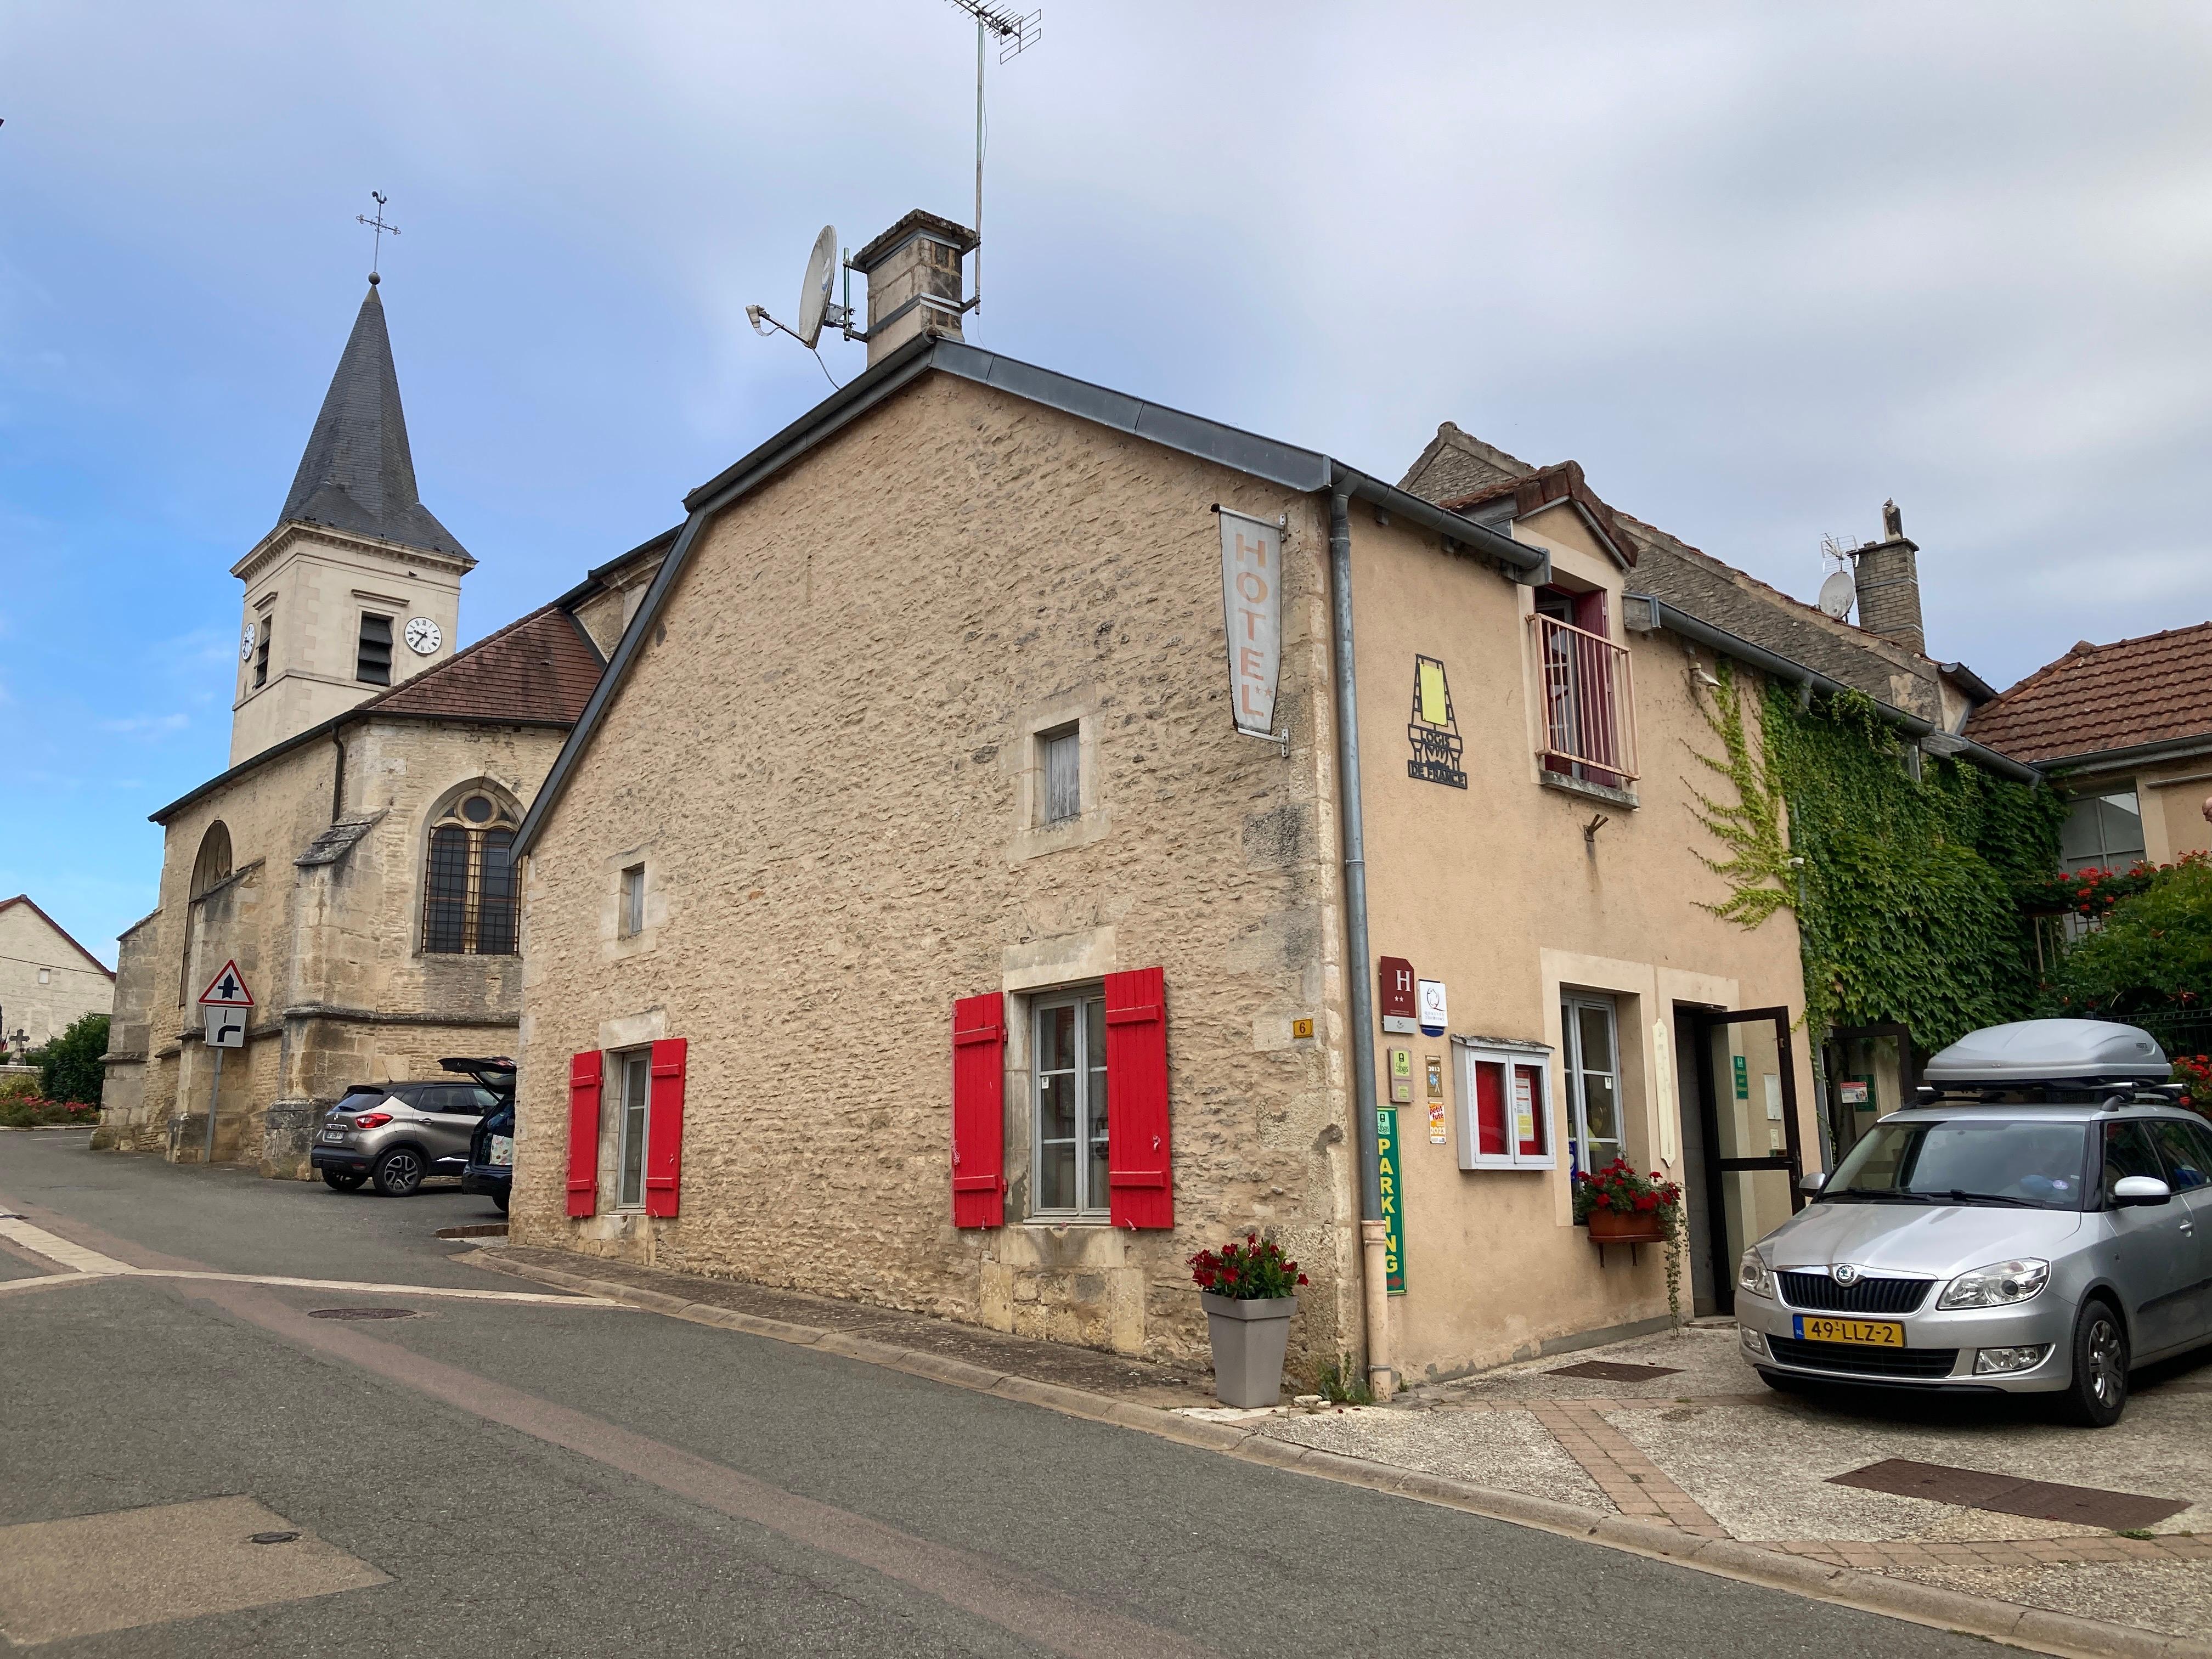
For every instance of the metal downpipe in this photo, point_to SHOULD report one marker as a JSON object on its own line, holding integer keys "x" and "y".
{"x": 1375, "y": 1289}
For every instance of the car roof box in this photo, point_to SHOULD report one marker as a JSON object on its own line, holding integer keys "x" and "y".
{"x": 2051, "y": 1051}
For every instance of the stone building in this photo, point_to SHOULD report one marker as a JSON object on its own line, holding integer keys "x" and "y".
{"x": 47, "y": 980}
{"x": 908, "y": 921}
{"x": 353, "y": 860}
{"x": 2126, "y": 729}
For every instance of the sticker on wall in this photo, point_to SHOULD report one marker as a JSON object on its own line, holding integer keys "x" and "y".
{"x": 1394, "y": 976}
{"x": 1401, "y": 1077}
{"x": 1435, "y": 1069}
{"x": 1434, "y": 732}
{"x": 1394, "y": 1235}
{"x": 1432, "y": 997}
{"x": 1858, "y": 1093}
{"x": 1742, "y": 1067}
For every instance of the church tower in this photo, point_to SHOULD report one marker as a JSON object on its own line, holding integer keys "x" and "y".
{"x": 358, "y": 588}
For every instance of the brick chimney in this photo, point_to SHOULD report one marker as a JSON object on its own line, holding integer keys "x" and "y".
{"x": 914, "y": 281}
{"x": 1888, "y": 577}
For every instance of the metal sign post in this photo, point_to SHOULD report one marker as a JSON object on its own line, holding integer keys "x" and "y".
{"x": 226, "y": 1003}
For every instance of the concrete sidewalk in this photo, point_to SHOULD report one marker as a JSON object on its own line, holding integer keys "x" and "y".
{"x": 1704, "y": 1465}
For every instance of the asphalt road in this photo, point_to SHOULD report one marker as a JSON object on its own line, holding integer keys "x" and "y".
{"x": 536, "y": 1478}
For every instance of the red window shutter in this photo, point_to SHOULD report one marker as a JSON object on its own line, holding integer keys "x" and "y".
{"x": 979, "y": 1111}
{"x": 1137, "y": 1132}
{"x": 584, "y": 1134}
{"x": 664, "y": 1128}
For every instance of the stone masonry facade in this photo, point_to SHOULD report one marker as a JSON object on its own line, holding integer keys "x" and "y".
{"x": 824, "y": 761}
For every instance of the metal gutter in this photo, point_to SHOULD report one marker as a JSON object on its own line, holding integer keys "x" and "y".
{"x": 1665, "y": 616}
{"x": 1460, "y": 535}
{"x": 1374, "y": 1288}
{"x": 2097, "y": 760}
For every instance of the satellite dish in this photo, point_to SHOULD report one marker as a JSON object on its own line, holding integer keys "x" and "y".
{"x": 1837, "y": 593}
{"x": 814, "y": 297}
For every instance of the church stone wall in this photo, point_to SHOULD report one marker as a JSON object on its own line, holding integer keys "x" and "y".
{"x": 332, "y": 950}
{"x": 826, "y": 770}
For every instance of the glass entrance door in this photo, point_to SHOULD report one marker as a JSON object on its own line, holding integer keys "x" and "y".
{"x": 1747, "y": 1100}
{"x": 1871, "y": 1073}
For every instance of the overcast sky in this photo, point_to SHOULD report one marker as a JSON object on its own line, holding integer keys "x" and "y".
{"x": 1756, "y": 267}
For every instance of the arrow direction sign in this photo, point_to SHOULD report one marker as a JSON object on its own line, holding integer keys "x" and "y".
{"x": 225, "y": 1027}
{"x": 227, "y": 989}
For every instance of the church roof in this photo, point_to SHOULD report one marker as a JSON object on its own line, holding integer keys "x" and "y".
{"x": 357, "y": 473}
{"x": 539, "y": 669}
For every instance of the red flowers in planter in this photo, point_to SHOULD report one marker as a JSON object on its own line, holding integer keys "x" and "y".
{"x": 1622, "y": 1189}
{"x": 1247, "y": 1272}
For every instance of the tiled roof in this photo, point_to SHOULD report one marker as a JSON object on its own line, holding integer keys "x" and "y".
{"x": 2099, "y": 698}
{"x": 1562, "y": 481}
{"x": 25, "y": 900}
{"x": 540, "y": 669}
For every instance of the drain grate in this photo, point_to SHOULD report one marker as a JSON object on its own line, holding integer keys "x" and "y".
{"x": 361, "y": 1313}
{"x": 2005, "y": 1494}
{"x": 1614, "y": 1371}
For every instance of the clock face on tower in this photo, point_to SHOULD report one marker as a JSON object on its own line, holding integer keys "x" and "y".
{"x": 423, "y": 636}
{"x": 245, "y": 645}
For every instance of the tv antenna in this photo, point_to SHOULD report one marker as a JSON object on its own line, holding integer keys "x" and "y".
{"x": 378, "y": 225}
{"x": 1840, "y": 591}
{"x": 1015, "y": 34}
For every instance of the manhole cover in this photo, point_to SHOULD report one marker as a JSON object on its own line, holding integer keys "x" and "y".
{"x": 2006, "y": 1494}
{"x": 361, "y": 1313}
{"x": 1614, "y": 1371}
{"x": 274, "y": 1538}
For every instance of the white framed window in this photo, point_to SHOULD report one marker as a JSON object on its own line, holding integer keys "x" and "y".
{"x": 1504, "y": 1104}
{"x": 634, "y": 1103}
{"x": 1060, "y": 774}
{"x": 632, "y": 921}
{"x": 2103, "y": 831}
{"x": 44, "y": 975}
{"x": 1596, "y": 1125}
{"x": 1067, "y": 1138}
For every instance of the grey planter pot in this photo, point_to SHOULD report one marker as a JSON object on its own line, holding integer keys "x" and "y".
{"x": 1249, "y": 1340}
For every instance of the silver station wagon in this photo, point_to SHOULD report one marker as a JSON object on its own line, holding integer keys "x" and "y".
{"x": 2039, "y": 1221}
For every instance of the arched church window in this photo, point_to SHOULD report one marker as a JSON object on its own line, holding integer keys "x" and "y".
{"x": 210, "y": 868}
{"x": 468, "y": 888}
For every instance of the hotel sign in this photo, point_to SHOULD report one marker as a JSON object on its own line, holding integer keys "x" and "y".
{"x": 1252, "y": 611}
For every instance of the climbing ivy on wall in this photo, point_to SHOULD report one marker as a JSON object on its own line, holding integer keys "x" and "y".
{"x": 1907, "y": 898}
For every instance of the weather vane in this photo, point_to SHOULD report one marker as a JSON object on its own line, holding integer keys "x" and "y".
{"x": 377, "y": 224}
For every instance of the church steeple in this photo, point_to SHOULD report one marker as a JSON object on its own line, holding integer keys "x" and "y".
{"x": 358, "y": 586}
{"x": 357, "y": 473}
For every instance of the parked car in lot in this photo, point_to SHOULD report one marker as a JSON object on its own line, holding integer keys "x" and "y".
{"x": 490, "y": 1167}
{"x": 398, "y": 1135}
{"x": 2039, "y": 1221}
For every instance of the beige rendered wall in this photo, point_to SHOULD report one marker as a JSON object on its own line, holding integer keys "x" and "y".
{"x": 2173, "y": 798}
{"x": 1496, "y": 890}
{"x": 313, "y": 586}
{"x": 45, "y": 983}
{"x": 824, "y": 766}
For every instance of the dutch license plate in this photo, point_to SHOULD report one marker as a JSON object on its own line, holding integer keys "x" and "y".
{"x": 503, "y": 1148}
{"x": 334, "y": 1134}
{"x": 1863, "y": 1332}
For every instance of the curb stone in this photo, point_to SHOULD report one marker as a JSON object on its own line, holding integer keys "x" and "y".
{"x": 2008, "y": 1622}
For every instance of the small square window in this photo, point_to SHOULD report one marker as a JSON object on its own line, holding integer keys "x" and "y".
{"x": 372, "y": 662}
{"x": 633, "y": 901}
{"x": 44, "y": 975}
{"x": 1059, "y": 766}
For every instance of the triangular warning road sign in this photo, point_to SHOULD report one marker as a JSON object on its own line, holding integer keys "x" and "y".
{"x": 227, "y": 989}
